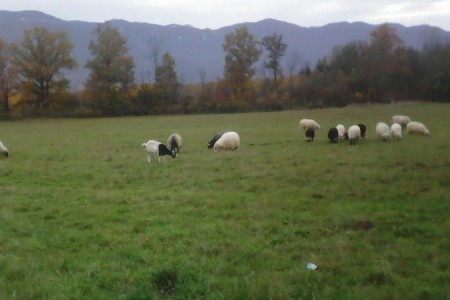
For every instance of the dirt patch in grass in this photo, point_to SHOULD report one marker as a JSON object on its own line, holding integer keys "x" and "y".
{"x": 379, "y": 278}
{"x": 363, "y": 225}
{"x": 317, "y": 196}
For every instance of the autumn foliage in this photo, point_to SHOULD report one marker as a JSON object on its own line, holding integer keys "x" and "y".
{"x": 382, "y": 70}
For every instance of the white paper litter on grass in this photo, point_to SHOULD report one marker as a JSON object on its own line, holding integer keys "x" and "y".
{"x": 311, "y": 266}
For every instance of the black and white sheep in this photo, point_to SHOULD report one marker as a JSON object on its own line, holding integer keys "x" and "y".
{"x": 3, "y": 150}
{"x": 333, "y": 135}
{"x": 402, "y": 120}
{"x": 396, "y": 131}
{"x": 308, "y": 123}
{"x": 156, "y": 148}
{"x": 414, "y": 127}
{"x": 174, "y": 142}
{"x": 354, "y": 133}
{"x": 228, "y": 141}
{"x": 363, "y": 130}
{"x": 309, "y": 135}
{"x": 341, "y": 132}
{"x": 213, "y": 141}
{"x": 383, "y": 131}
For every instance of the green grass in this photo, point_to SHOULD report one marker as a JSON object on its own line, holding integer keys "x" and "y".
{"x": 83, "y": 215}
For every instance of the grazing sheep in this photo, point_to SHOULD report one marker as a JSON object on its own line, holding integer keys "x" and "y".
{"x": 346, "y": 135}
{"x": 157, "y": 149}
{"x": 383, "y": 131}
{"x": 174, "y": 142}
{"x": 3, "y": 150}
{"x": 417, "y": 127}
{"x": 213, "y": 141}
{"x": 354, "y": 133}
{"x": 396, "y": 131}
{"x": 333, "y": 135}
{"x": 308, "y": 123}
{"x": 309, "y": 135}
{"x": 363, "y": 130}
{"x": 341, "y": 132}
{"x": 229, "y": 141}
{"x": 402, "y": 120}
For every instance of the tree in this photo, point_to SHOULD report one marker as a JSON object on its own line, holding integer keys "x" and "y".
{"x": 435, "y": 65}
{"x": 7, "y": 77}
{"x": 166, "y": 80}
{"x": 276, "y": 49}
{"x": 383, "y": 62}
{"x": 241, "y": 52}
{"x": 347, "y": 58}
{"x": 345, "y": 69}
{"x": 112, "y": 71}
{"x": 39, "y": 60}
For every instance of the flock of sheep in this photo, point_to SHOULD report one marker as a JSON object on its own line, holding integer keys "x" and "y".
{"x": 230, "y": 140}
{"x": 355, "y": 132}
{"x": 226, "y": 141}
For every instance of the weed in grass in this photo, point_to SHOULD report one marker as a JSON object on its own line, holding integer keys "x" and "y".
{"x": 166, "y": 282}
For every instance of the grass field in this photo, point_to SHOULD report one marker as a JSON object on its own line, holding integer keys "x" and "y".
{"x": 83, "y": 215}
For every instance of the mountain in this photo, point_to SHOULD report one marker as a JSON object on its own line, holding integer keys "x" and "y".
{"x": 199, "y": 51}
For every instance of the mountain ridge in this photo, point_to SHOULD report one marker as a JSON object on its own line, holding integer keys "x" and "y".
{"x": 199, "y": 51}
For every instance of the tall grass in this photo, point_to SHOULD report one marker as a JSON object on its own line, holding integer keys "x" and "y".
{"x": 83, "y": 215}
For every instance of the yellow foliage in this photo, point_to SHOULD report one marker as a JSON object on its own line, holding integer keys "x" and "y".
{"x": 15, "y": 99}
{"x": 359, "y": 96}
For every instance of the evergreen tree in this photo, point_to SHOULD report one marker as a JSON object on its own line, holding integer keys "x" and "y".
{"x": 112, "y": 71}
{"x": 166, "y": 81}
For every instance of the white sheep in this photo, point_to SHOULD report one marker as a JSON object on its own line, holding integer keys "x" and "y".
{"x": 341, "y": 131}
{"x": 417, "y": 127}
{"x": 396, "y": 131}
{"x": 229, "y": 141}
{"x": 308, "y": 123}
{"x": 157, "y": 149}
{"x": 402, "y": 120}
{"x": 354, "y": 133}
{"x": 174, "y": 142}
{"x": 383, "y": 131}
{"x": 3, "y": 150}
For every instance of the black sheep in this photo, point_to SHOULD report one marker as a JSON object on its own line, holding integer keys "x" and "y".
{"x": 333, "y": 135}
{"x": 309, "y": 135}
{"x": 363, "y": 130}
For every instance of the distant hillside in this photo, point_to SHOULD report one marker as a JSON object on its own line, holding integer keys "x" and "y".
{"x": 200, "y": 50}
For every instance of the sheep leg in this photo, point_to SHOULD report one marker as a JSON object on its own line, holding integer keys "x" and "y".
{"x": 148, "y": 157}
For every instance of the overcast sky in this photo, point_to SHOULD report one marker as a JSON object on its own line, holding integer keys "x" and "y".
{"x": 218, "y": 13}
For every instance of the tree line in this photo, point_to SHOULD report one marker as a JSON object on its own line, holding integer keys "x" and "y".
{"x": 382, "y": 70}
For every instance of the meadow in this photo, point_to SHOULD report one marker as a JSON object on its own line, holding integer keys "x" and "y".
{"x": 83, "y": 215}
